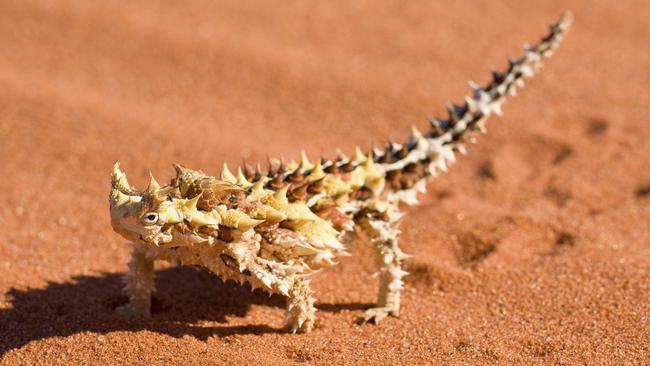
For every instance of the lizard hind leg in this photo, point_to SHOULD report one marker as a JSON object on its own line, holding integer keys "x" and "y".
{"x": 383, "y": 231}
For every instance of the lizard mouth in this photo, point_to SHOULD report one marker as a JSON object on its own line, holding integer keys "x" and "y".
{"x": 159, "y": 239}
{"x": 143, "y": 240}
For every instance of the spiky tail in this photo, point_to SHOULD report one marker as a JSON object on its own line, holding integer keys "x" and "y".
{"x": 437, "y": 147}
{"x": 405, "y": 166}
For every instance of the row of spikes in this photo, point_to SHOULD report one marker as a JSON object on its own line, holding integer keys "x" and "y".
{"x": 502, "y": 84}
{"x": 307, "y": 178}
{"x": 279, "y": 174}
{"x": 495, "y": 90}
{"x": 297, "y": 184}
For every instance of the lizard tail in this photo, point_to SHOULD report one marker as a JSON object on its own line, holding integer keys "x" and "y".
{"x": 401, "y": 169}
{"x": 426, "y": 154}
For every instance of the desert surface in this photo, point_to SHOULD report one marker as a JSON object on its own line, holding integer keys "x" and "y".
{"x": 533, "y": 249}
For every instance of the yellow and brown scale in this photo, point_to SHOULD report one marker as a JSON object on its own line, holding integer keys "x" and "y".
{"x": 334, "y": 190}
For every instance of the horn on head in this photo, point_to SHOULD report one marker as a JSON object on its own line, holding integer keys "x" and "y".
{"x": 117, "y": 198}
{"x": 156, "y": 192}
{"x": 153, "y": 184}
{"x": 119, "y": 181}
{"x": 180, "y": 170}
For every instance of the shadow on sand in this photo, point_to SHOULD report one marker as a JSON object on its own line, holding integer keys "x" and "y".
{"x": 86, "y": 304}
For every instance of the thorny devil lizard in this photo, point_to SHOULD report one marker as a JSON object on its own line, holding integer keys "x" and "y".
{"x": 274, "y": 229}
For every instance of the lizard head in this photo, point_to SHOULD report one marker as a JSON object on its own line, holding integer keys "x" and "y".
{"x": 160, "y": 216}
{"x": 142, "y": 217}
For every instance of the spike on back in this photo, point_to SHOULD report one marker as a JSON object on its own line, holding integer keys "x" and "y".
{"x": 226, "y": 175}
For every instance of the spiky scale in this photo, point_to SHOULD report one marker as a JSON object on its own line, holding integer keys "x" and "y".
{"x": 305, "y": 164}
{"x": 277, "y": 182}
{"x": 299, "y": 193}
{"x": 241, "y": 178}
{"x": 317, "y": 186}
{"x": 297, "y": 176}
{"x": 227, "y": 175}
{"x": 249, "y": 171}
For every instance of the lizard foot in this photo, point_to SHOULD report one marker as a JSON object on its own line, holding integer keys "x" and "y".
{"x": 376, "y": 315}
{"x": 130, "y": 311}
{"x": 299, "y": 325}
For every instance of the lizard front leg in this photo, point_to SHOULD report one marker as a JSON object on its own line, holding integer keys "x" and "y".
{"x": 383, "y": 232}
{"x": 139, "y": 284}
{"x": 300, "y": 308}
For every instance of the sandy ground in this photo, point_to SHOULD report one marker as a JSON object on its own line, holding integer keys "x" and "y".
{"x": 534, "y": 249}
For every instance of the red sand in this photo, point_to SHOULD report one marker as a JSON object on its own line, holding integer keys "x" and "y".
{"x": 534, "y": 249}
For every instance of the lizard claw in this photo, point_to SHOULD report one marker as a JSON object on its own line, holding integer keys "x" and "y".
{"x": 375, "y": 315}
{"x": 305, "y": 326}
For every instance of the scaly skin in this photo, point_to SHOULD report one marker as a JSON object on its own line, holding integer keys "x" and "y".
{"x": 273, "y": 229}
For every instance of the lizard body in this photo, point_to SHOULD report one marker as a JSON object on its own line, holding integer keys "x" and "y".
{"x": 273, "y": 229}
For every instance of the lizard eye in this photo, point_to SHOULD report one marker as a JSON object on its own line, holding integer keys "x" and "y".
{"x": 149, "y": 218}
